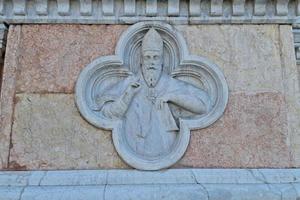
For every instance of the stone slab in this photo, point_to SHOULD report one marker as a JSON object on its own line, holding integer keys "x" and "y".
{"x": 149, "y": 192}
{"x": 251, "y": 134}
{"x": 49, "y": 133}
{"x": 292, "y": 89}
{"x": 216, "y": 184}
{"x": 139, "y": 177}
{"x": 50, "y": 63}
{"x": 63, "y": 193}
{"x": 8, "y": 92}
{"x": 249, "y": 55}
{"x": 53, "y": 55}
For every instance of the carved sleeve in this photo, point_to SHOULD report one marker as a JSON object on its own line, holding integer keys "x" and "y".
{"x": 190, "y": 98}
{"x": 114, "y": 102}
{"x": 115, "y": 109}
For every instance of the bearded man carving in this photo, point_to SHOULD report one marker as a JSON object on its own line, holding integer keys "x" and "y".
{"x": 142, "y": 101}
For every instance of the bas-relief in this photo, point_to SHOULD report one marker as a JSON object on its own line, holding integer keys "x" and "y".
{"x": 142, "y": 101}
{"x": 151, "y": 94}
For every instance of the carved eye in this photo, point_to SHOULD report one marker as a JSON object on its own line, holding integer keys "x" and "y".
{"x": 147, "y": 57}
{"x": 156, "y": 57}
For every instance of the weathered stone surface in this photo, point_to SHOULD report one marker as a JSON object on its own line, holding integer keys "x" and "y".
{"x": 251, "y": 134}
{"x": 8, "y": 92}
{"x": 254, "y": 132}
{"x": 291, "y": 88}
{"x": 249, "y": 55}
{"x": 173, "y": 184}
{"x": 53, "y": 55}
{"x": 51, "y": 63}
{"x": 49, "y": 133}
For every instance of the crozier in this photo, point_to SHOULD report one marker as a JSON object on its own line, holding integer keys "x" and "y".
{"x": 151, "y": 94}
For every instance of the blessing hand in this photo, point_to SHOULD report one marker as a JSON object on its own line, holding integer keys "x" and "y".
{"x": 133, "y": 87}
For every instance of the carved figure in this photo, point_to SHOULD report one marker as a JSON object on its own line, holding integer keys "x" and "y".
{"x": 142, "y": 102}
{"x": 150, "y": 94}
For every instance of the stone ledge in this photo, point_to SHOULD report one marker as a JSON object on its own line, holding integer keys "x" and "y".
{"x": 266, "y": 184}
{"x": 132, "y": 11}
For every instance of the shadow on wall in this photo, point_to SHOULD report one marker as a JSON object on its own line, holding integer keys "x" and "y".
{"x": 3, "y": 37}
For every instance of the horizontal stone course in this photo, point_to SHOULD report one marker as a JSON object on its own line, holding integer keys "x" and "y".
{"x": 137, "y": 177}
{"x": 49, "y": 133}
{"x": 127, "y": 12}
{"x": 227, "y": 184}
{"x": 249, "y": 55}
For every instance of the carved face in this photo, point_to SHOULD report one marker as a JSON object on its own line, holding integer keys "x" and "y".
{"x": 151, "y": 66}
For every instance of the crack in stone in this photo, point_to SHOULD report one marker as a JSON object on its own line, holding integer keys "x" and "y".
{"x": 269, "y": 185}
{"x": 263, "y": 179}
{"x": 42, "y": 178}
{"x": 296, "y": 191}
{"x": 205, "y": 189}
{"x": 21, "y": 193}
{"x": 200, "y": 184}
{"x": 105, "y": 186}
{"x": 23, "y": 189}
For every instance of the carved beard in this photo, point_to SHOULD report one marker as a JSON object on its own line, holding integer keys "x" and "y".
{"x": 151, "y": 76}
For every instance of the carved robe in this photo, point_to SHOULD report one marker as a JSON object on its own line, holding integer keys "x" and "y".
{"x": 150, "y": 130}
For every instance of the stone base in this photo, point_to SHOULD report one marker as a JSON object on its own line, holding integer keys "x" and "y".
{"x": 198, "y": 184}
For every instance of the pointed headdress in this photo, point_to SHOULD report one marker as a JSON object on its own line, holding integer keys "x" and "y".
{"x": 152, "y": 41}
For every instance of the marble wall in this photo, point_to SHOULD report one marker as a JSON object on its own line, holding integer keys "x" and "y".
{"x": 41, "y": 127}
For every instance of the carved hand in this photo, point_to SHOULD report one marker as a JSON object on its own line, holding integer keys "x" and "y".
{"x": 132, "y": 89}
